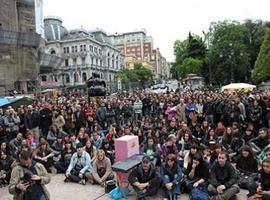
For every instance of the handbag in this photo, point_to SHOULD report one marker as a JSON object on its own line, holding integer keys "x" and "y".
{"x": 245, "y": 180}
{"x": 199, "y": 194}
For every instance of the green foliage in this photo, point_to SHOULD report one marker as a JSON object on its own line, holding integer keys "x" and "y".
{"x": 228, "y": 52}
{"x": 188, "y": 53}
{"x": 138, "y": 74}
{"x": 190, "y": 66}
{"x": 261, "y": 70}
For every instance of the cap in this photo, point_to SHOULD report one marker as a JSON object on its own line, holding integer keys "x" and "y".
{"x": 146, "y": 158}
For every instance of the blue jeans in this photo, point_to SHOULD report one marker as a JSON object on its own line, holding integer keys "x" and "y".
{"x": 175, "y": 189}
{"x": 43, "y": 197}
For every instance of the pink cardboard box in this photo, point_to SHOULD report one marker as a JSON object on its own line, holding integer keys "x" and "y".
{"x": 126, "y": 146}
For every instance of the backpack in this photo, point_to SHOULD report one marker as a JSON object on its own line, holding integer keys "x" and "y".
{"x": 199, "y": 194}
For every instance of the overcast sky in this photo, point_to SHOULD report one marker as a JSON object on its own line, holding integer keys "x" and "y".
{"x": 165, "y": 20}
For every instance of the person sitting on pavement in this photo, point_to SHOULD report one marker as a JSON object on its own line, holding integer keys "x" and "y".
{"x": 171, "y": 174}
{"x": 223, "y": 179}
{"x": 28, "y": 179}
{"x": 261, "y": 191}
{"x": 80, "y": 167}
{"x": 102, "y": 169}
{"x": 145, "y": 179}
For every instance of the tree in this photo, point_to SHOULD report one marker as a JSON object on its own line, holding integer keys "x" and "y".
{"x": 139, "y": 74}
{"x": 261, "y": 70}
{"x": 190, "y": 50}
{"x": 191, "y": 66}
{"x": 229, "y": 52}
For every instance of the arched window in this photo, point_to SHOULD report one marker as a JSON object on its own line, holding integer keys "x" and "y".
{"x": 84, "y": 76}
{"x": 53, "y": 52}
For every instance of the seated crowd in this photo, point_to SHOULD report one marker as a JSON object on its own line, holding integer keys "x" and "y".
{"x": 206, "y": 144}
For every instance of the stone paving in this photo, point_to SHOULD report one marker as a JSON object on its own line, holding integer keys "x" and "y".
{"x": 71, "y": 191}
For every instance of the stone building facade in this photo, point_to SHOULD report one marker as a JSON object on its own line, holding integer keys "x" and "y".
{"x": 19, "y": 46}
{"x": 83, "y": 52}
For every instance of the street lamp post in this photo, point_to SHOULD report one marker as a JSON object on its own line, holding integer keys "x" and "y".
{"x": 206, "y": 35}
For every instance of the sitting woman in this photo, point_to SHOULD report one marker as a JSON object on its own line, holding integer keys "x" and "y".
{"x": 82, "y": 137}
{"x": 109, "y": 150}
{"x": 151, "y": 150}
{"x": 171, "y": 174}
{"x": 261, "y": 191}
{"x": 102, "y": 169}
{"x": 197, "y": 172}
{"x": 66, "y": 155}
{"x": 246, "y": 163}
{"x": 91, "y": 150}
{"x": 189, "y": 156}
{"x": 6, "y": 164}
{"x": 53, "y": 133}
{"x": 44, "y": 155}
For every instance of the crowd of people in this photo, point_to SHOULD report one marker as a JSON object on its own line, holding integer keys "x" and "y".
{"x": 204, "y": 143}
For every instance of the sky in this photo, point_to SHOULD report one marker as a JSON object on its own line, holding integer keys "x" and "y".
{"x": 165, "y": 20}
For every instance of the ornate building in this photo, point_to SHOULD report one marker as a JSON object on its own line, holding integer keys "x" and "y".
{"x": 83, "y": 52}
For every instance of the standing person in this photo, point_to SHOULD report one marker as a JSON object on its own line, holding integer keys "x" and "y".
{"x": 145, "y": 179}
{"x": 101, "y": 114}
{"x": 223, "y": 179}
{"x": 80, "y": 167}
{"x": 45, "y": 115}
{"x": 11, "y": 122}
{"x": 28, "y": 179}
{"x": 171, "y": 174}
{"x": 31, "y": 122}
{"x": 79, "y": 118}
{"x": 137, "y": 106}
{"x": 58, "y": 120}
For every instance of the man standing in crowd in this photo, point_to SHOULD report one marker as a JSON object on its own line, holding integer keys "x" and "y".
{"x": 223, "y": 179}
{"x": 28, "y": 179}
{"x": 80, "y": 118}
{"x": 45, "y": 115}
{"x": 31, "y": 121}
{"x": 145, "y": 179}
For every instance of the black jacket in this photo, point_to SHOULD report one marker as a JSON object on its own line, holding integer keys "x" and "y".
{"x": 139, "y": 175}
{"x": 222, "y": 175}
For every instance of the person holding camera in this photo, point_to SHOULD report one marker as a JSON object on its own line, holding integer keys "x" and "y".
{"x": 28, "y": 179}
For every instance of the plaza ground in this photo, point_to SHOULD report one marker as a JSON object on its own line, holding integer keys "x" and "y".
{"x": 71, "y": 191}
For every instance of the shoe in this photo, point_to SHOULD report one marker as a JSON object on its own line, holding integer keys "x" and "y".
{"x": 82, "y": 182}
{"x": 67, "y": 180}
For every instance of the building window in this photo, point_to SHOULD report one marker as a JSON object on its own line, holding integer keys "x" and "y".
{"x": 92, "y": 60}
{"x": 65, "y": 50}
{"x": 43, "y": 78}
{"x": 55, "y": 78}
{"x": 96, "y": 61}
{"x": 53, "y": 52}
{"x": 76, "y": 50}
{"x": 91, "y": 48}
{"x": 100, "y": 63}
{"x": 83, "y": 60}
{"x": 95, "y": 49}
{"x": 72, "y": 49}
{"x": 66, "y": 63}
{"x": 110, "y": 77}
{"x": 74, "y": 61}
{"x": 99, "y": 51}
{"x": 84, "y": 47}
{"x": 75, "y": 77}
{"x": 81, "y": 47}
{"x": 67, "y": 78}
{"x": 84, "y": 76}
